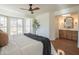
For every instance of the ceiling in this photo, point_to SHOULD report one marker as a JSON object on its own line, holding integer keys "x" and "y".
{"x": 43, "y": 7}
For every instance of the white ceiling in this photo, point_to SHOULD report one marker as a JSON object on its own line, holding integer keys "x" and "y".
{"x": 43, "y": 7}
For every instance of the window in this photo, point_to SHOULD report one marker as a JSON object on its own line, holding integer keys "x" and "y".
{"x": 28, "y": 25}
{"x": 16, "y": 26}
{"x": 20, "y": 26}
{"x": 13, "y": 26}
{"x": 3, "y": 23}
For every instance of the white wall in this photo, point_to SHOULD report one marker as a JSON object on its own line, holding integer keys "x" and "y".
{"x": 48, "y": 25}
{"x": 53, "y": 26}
{"x": 78, "y": 32}
{"x": 43, "y": 20}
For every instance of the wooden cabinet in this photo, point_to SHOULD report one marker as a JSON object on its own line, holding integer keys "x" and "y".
{"x": 67, "y": 34}
{"x": 74, "y": 35}
{"x": 62, "y": 34}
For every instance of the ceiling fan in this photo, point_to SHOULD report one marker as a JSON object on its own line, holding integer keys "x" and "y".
{"x": 31, "y": 8}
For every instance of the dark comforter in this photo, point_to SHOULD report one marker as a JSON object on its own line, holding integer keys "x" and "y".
{"x": 45, "y": 41}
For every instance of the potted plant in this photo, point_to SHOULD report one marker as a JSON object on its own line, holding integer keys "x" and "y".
{"x": 35, "y": 25}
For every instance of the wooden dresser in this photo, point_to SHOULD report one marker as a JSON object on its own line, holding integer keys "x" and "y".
{"x": 68, "y": 34}
{"x": 67, "y": 43}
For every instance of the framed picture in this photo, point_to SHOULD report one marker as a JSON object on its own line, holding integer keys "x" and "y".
{"x": 68, "y": 22}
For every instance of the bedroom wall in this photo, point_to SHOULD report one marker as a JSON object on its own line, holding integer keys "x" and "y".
{"x": 48, "y": 25}
{"x": 75, "y": 22}
{"x": 53, "y": 26}
{"x": 78, "y": 31}
{"x": 71, "y": 10}
{"x": 43, "y": 20}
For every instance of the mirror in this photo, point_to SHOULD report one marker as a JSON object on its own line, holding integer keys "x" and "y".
{"x": 68, "y": 22}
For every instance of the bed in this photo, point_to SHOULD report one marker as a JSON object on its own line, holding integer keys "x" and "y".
{"x": 22, "y": 45}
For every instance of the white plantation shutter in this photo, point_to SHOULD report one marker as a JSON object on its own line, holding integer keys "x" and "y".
{"x": 3, "y": 23}
{"x": 16, "y": 26}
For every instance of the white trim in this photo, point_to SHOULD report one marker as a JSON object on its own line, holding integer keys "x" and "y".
{"x": 9, "y": 12}
{"x": 67, "y": 10}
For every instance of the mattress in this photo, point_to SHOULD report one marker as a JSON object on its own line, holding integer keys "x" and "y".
{"x": 22, "y": 45}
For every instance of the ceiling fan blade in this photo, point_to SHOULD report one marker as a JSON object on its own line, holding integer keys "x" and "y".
{"x": 23, "y": 9}
{"x": 37, "y": 8}
{"x": 30, "y": 8}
